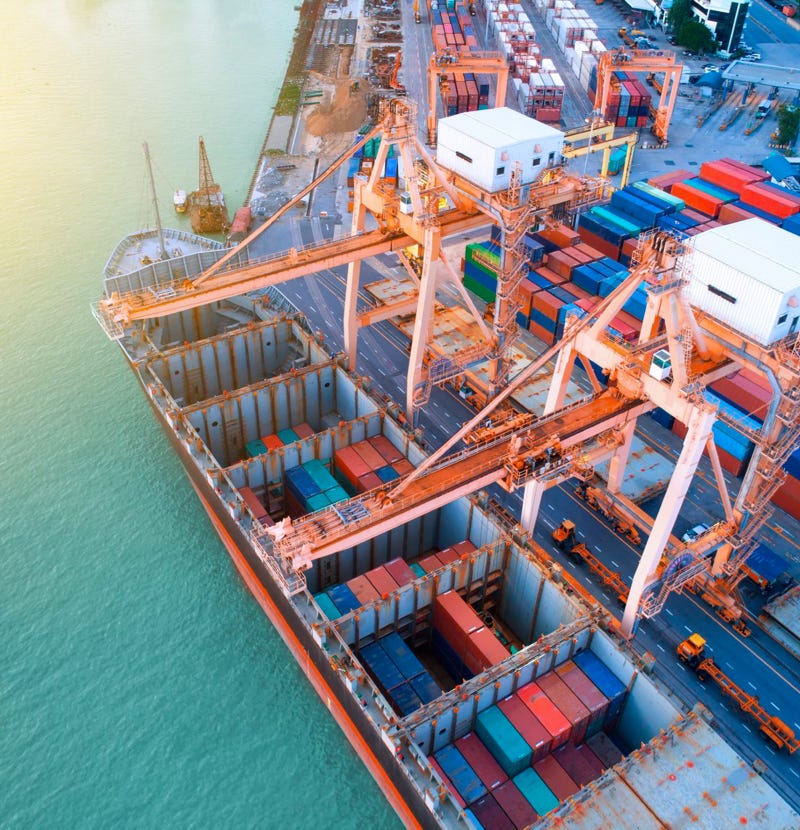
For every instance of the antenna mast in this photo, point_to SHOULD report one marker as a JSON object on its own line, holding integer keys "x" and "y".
{"x": 164, "y": 254}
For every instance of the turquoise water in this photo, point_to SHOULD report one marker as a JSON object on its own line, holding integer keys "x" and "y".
{"x": 141, "y": 686}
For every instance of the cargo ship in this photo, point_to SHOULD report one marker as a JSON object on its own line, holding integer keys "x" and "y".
{"x": 479, "y": 688}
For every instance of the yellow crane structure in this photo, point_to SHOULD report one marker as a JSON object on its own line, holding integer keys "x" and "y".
{"x": 460, "y": 63}
{"x": 642, "y": 60}
{"x": 502, "y": 446}
{"x": 599, "y": 137}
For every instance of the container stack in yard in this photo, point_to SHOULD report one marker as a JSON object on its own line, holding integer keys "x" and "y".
{"x": 573, "y": 270}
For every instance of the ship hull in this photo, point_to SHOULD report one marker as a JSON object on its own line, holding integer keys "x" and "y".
{"x": 359, "y": 730}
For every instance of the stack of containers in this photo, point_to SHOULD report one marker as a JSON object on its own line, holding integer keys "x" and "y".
{"x": 256, "y": 507}
{"x": 274, "y": 441}
{"x": 309, "y": 488}
{"x": 629, "y": 101}
{"x": 369, "y": 464}
{"x": 788, "y": 495}
{"x": 462, "y": 643}
{"x": 764, "y": 566}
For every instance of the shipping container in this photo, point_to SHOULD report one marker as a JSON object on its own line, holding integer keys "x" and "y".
{"x": 575, "y": 764}
{"x": 460, "y": 774}
{"x": 538, "y": 794}
{"x": 501, "y": 739}
{"x": 363, "y": 589}
{"x": 381, "y": 580}
{"x": 586, "y": 691}
{"x": 400, "y": 653}
{"x": 546, "y": 712}
{"x": 556, "y": 778}
{"x": 568, "y": 704}
{"x": 343, "y": 598}
{"x": 515, "y": 805}
{"x": 425, "y": 687}
{"x": 490, "y": 815}
{"x": 400, "y": 571}
{"x": 606, "y": 751}
{"x": 591, "y": 665}
{"x": 528, "y": 725}
{"x": 481, "y": 760}
{"x": 327, "y": 606}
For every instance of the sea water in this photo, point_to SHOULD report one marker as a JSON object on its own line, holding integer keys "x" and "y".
{"x": 140, "y": 684}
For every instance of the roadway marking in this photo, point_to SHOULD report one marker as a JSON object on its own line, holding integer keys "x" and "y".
{"x": 681, "y": 667}
{"x": 772, "y": 750}
{"x": 794, "y": 772}
{"x": 589, "y": 579}
{"x": 688, "y": 629}
{"x": 749, "y": 683}
{"x": 658, "y": 645}
{"x": 797, "y": 726}
{"x": 597, "y": 547}
{"x": 747, "y": 728}
{"x": 548, "y": 523}
{"x": 775, "y": 706}
{"x": 669, "y": 612}
{"x": 551, "y": 507}
{"x": 614, "y": 563}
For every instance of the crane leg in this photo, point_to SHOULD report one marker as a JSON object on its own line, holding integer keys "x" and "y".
{"x": 699, "y": 428}
{"x": 350, "y": 310}
{"x": 531, "y": 501}
{"x": 619, "y": 461}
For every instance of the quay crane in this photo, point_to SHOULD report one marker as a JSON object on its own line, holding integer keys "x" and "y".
{"x": 692, "y": 652}
{"x": 517, "y": 450}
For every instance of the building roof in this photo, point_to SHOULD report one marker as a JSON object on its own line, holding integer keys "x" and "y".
{"x": 778, "y": 167}
{"x": 766, "y": 253}
{"x": 783, "y": 77}
{"x": 499, "y": 127}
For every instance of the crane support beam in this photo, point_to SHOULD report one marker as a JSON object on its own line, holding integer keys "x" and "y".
{"x": 699, "y": 429}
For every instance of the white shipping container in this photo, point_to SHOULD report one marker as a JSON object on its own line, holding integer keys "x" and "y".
{"x": 598, "y": 47}
{"x": 485, "y": 146}
{"x": 548, "y": 65}
{"x": 747, "y": 275}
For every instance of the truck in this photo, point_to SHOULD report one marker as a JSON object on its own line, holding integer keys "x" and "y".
{"x": 764, "y": 107}
{"x": 692, "y": 652}
{"x": 631, "y": 38}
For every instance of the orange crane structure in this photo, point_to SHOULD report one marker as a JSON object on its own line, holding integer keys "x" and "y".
{"x": 461, "y": 62}
{"x": 642, "y": 60}
{"x": 513, "y": 449}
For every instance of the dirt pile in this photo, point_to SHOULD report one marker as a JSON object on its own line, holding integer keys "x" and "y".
{"x": 344, "y": 112}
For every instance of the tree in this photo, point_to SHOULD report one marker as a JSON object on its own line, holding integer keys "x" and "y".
{"x": 788, "y": 124}
{"x": 696, "y": 36}
{"x": 679, "y": 13}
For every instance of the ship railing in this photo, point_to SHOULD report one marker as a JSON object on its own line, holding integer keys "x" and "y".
{"x": 114, "y": 330}
{"x": 174, "y": 234}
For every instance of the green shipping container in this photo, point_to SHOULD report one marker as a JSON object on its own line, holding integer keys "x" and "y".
{"x": 475, "y": 252}
{"x": 288, "y": 436}
{"x": 337, "y": 494}
{"x": 503, "y": 741}
{"x": 322, "y": 478}
{"x": 486, "y": 294}
{"x": 617, "y": 220}
{"x": 254, "y": 448}
{"x": 326, "y": 606}
{"x": 318, "y": 502}
{"x": 538, "y": 794}
{"x": 418, "y": 569}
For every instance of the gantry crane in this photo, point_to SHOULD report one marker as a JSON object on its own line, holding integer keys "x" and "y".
{"x": 641, "y": 60}
{"x": 459, "y": 63}
{"x": 515, "y": 451}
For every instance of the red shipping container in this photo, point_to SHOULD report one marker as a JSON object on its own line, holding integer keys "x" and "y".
{"x": 525, "y": 292}
{"x": 253, "y": 502}
{"x": 594, "y": 763}
{"x": 758, "y": 175}
{"x": 303, "y": 430}
{"x": 430, "y": 563}
{"x": 561, "y": 262}
{"x": 481, "y": 760}
{"x": 588, "y": 303}
{"x": 725, "y": 175}
{"x": 350, "y": 465}
{"x": 666, "y": 180}
{"x": 695, "y": 214}
{"x": 562, "y": 236}
{"x": 629, "y": 246}
{"x": 592, "y": 254}
{"x": 272, "y": 442}
{"x": 386, "y": 448}
{"x": 732, "y": 213}
{"x": 400, "y": 571}
{"x": 490, "y": 814}
{"x": 546, "y": 712}
{"x": 574, "y": 764}
{"x": 556, "y": 778}
{"x": 768, "y": 199}
{"x": 368, "y": 482}
{"x": 747, "y": 396}
{"x": 542, "y": 333}
{"x": 787, "y": 496}
{"x": 583, "y": 688}
{"x": 372, "y": 458}
{"x": 483, "y": 650}
{"x": 462, "y": 548}
{"x": 698, "y": 199}
{"x": 447, "y": 782}
{"x": 447, "y": 556}
{"x": 363, "y": 589}
{"x": 558, "y": 691}
{"x": 605, "y": 749}
{"x": 402, "y": 467}
{"x": 381, "y": 580}
{"x": 455, "y": 620}
{"x": 756, "y": 378}
{"x": 515, "y": 805}
{"x": 528, "y": 725}
{"x": 603, "y": 245}
{"x": 547, "y": 304}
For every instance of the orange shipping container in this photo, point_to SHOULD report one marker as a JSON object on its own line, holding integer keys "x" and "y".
{"x": 698, "y": 199}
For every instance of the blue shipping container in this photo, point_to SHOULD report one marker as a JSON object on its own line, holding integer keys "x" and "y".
{"x": 767, "y": 564}
{"x": 404, "y": 699}
{"x": 602, "y": 677}
{"x": 343, "y": 598}
{"x": 426, "y": 687}
{"x": 460, "y": 773}
{"x": 381, "y": 667}
{"x": 401, "y": 655}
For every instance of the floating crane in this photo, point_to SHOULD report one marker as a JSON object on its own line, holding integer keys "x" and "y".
{"x": 207, "y": 210}
{"x": 692, "y": 652}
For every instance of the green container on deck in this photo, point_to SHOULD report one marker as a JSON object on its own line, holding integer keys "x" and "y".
{"x": 288, "y": 436}
{"x": 661, "y": 195}
{"x": 326, "y": 606}
{"x": 538, "y": 794}
{"x": 322, "y": 478}
{"x": 318, "y": 502}
{"x": 615, "y": 219}
{"x": 254, "y": 448}
{"x": 503, "y": 741}
{"x": 486, "y": 294}
{"x": 475, "y": 252}
{"x": 337, "y": 494}
{"x": 418, "y": 569}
